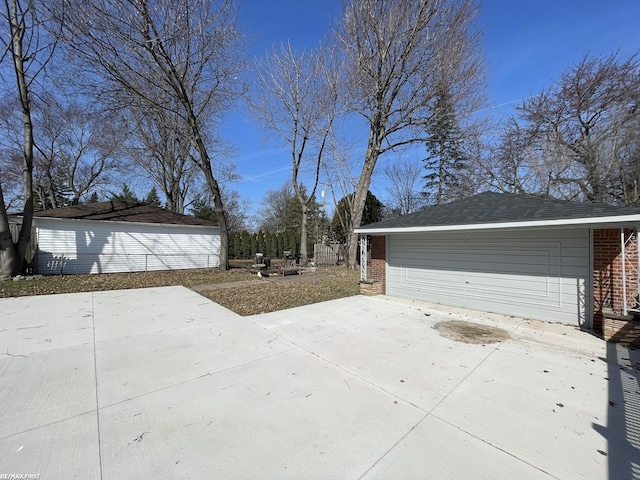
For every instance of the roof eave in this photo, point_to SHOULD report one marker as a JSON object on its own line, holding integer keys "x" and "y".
{"x": 124, "y": 222}
{"x": 617, "y": 220}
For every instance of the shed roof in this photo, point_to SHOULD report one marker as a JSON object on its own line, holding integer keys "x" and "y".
{"x": 122, "y": 211}
{"x": 502, "y": 210}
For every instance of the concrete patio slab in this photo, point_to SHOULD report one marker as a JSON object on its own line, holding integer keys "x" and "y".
{"x": 404, "y": 356}
{"x": 65, "y": 449}
{"x": 42, "y": 388}
{"x": 133, "y": 366}
{"x": 533, "y": 409}
{"x": 310, "y": 323}
{"x": 290, "y": 416}
{"x": 119, "y": 314}
{"x": 40, "y": 324}
{"x": 443, "y": 451}
{"x": 163, "y": 383}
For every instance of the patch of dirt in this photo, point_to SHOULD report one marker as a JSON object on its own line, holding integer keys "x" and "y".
{"x": 469, "y": 332}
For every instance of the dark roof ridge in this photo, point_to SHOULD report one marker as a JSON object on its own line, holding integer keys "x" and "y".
{"x": 501, "y": 208}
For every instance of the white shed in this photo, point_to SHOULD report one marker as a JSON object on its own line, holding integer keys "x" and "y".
{"x": 119, "y": 236}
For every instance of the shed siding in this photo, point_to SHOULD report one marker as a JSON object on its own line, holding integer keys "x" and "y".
{"x": 540, "y": 274}
{"x": 76, "y": 246}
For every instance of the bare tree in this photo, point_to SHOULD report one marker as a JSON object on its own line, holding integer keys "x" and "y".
{"x": 398, "y": 50}
{"x": 142, "y": 52}
{"x": 164, "y": 155}
{"x": 502, "y": 166}
{"x": 26, "y": 41}
{"x": 276, "y": 204}
{"x": 298, "y": 103}
{"x": 78, "y": 148}
{"x": 403, "y": 177}
{"x": 579, "y": 138}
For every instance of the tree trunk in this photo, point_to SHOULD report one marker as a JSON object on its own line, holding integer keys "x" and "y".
{"x": 12, "y": 255}
{"x": 221, "y": 217}
{"x": 359, "y": 200}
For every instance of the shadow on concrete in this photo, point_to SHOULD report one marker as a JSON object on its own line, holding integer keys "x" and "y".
{"x": 623, "y": 420}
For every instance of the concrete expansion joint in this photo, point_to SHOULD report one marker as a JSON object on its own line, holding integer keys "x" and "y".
{"x": 95, "y": 377}
{"x": 208, "y": 374}
{"x": 44, "y": 425}
{"x": 493, "y": 445}
{"x": 406, "y": 434}
{"x": 364, "y": 380}
{"x": 463, "y": 379}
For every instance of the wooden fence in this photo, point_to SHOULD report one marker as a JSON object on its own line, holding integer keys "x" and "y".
{"x": 326, "y": 255}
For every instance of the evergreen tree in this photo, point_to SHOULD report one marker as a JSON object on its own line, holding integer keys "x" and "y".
{"x": 280, "y": 244}
{"x": 446, "y": 160}
{"x": 47, "y": 196}
{"x": 246, "y": 245}
{"x": 125, "y": 194}
{"x": 262, "y": 248}
{"x": 271, "y": 245}
{"x": 254, "y": 245}
{"x": 152, "y": 198}
{"x": 373, "y": 212}
{"x": 93, "y": 198}
{"x": 202, "y": 209}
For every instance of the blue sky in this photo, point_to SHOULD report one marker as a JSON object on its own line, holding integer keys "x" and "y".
{"x": 526, "y": 44}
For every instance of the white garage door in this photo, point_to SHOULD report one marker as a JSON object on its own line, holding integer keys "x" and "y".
{"x": 540, "y": 274}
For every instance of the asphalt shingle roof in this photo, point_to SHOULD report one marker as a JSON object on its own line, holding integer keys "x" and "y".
{"x": 122, "y": 211}
{"x": 491, "y": 208}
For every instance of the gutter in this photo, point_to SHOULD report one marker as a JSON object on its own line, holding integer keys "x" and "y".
{"x": 617, "y": 221}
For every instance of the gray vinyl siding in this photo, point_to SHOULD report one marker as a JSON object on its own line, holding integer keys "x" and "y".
{"x": 77, "y": 246}
{"x": 541, "y": 274}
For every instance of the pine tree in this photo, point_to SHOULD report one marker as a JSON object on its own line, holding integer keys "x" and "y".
{"x": 372, "y": 213}
{"x": 262, "y": 248}
{"x": 446, "y": 159}
{"x": 125, "y": 194}
{"x": 246, "y": 245}
{"x": 152, "y": 198}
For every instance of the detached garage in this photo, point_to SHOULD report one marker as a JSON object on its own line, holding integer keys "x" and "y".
{"x": 119, "y": 236}
{"x": 512, "y": 254}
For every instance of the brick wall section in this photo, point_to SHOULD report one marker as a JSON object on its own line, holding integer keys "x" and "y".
{"x": 379, "y": 261}
{"x": 607, "y": 272}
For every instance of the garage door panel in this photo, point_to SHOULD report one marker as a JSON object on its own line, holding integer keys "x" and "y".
{"x": 537, "y": 274}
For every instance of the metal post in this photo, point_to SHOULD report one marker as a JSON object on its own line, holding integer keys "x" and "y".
{"x": 623, "y": 251}
{"x": 363, "y": 258}
{"x": 637, "y": 305}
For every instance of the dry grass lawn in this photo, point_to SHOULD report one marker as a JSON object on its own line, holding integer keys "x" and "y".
{"x": 267, "y": 295}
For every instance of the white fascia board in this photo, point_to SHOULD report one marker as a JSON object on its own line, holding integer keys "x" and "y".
{"x": 81, "y": 221}
{"x": 617, "y": 220}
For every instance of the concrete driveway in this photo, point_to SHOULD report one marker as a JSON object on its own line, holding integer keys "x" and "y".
{"x": 162, "y": 383}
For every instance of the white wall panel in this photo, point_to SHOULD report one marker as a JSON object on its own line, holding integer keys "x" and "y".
{"x": 81, "y": 246}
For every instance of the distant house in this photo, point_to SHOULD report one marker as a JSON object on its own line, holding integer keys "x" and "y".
{"x": 518, "y": 255}
{"x": 120, "y": 236}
